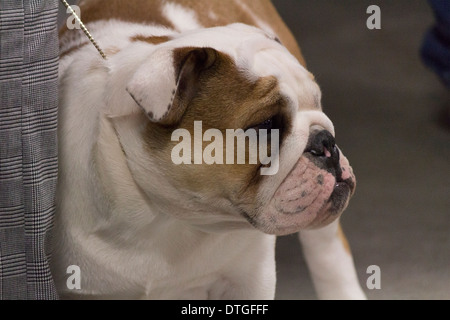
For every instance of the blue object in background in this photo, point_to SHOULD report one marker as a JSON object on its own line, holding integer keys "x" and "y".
{"x": 436, "y": 46}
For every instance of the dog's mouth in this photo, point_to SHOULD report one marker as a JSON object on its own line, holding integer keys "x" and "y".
{"x": 335, "y": 205}
{"x": 313, "y": 194}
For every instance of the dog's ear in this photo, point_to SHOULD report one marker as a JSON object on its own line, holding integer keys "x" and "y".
{"x": 169, "y": 80}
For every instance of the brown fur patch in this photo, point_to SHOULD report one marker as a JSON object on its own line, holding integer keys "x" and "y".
{"x": 141, "y": 11}
{"x": 151, "y": 39}
{"x": 343, "y": 239}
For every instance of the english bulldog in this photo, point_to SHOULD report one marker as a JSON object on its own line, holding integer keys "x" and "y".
{"x": 136, "y": 224}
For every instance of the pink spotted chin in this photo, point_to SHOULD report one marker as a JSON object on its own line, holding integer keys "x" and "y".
{"x": 309, "y": 197}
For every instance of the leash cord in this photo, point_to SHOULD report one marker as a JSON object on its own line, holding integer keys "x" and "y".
{"x": 83, "y": 27}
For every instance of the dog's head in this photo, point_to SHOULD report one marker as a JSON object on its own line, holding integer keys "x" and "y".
{"x": 199, "y": 86}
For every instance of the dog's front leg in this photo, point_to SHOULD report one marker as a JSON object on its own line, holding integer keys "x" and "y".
{"x": 330, "y": 263}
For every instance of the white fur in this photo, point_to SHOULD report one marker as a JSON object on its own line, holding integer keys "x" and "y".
{"x": 330, "y": 264}
{"x": 113, "y": 220}
{"x": 182, "y": 18}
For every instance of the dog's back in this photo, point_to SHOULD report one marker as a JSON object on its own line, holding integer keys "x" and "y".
{"x": 182, "y": 15}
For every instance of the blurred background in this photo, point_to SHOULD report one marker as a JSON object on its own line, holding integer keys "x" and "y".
{"x": 391, "y": 118}
{"x": 390, "y": 115}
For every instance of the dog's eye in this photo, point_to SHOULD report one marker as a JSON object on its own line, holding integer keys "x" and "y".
{"x": 267, "y": 125}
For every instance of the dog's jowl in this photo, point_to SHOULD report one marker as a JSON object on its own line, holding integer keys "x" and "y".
{"x": 144, "y": 217}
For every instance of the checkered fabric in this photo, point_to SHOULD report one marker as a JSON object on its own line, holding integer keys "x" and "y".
{"x": 28, "y": 146}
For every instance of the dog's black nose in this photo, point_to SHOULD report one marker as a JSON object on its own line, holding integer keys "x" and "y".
{"x": 322, "y": 145}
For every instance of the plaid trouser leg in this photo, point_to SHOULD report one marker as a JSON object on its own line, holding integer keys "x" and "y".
{"x": 28, "y": 146}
